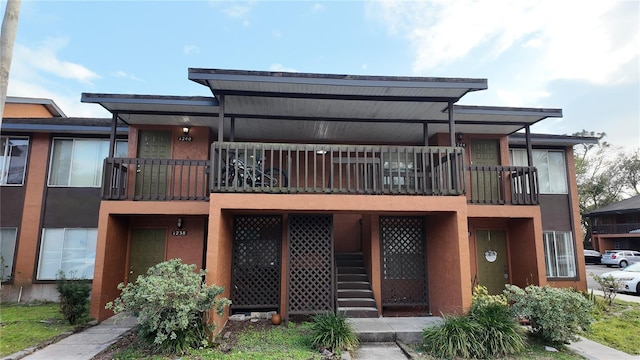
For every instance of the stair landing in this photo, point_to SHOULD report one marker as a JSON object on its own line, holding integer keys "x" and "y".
{"x": 390, "y": 329}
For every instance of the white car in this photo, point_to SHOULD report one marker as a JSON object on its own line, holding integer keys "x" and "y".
{"x": 629, "y": 278}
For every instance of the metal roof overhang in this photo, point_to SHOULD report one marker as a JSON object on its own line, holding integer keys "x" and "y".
{"x": 312, "y": 108}
{"x": 80, "y": 126}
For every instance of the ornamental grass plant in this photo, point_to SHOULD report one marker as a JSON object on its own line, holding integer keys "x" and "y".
{"x": 488, "y": 330}
{"x": 333, "y": 332}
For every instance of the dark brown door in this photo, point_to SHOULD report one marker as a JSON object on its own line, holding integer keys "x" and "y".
{"x": 484, "y": 184}
{"x": 491, "y": 249}
{"x": 147, "y": 249}
{"x": 151, "y": 176}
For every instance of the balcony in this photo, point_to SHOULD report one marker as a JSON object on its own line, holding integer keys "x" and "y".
{"x": 238, "y": 167}
{"x": 516, "y": 185}
{"x": 155, "y": 179}
{"x": 629, "y": 228}
{"x": 336, "y": 169}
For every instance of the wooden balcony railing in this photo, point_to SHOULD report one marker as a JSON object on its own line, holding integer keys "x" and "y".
{"x": 628, "y": 228}
{"x": 341, "y": 169}
{"x": 155, "y": 179}
{"x": 517, "y": 185}
{"x": 331, "y": 169}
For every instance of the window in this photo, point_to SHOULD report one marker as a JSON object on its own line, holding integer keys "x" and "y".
{"x": 70, "y": 250}
{"x": 552, "y": 174}
{"x": 78, "y": 162}
{"x": 8, "y": 248}
{"x": 559, "y": 254}
{"x": 14, "y": 160}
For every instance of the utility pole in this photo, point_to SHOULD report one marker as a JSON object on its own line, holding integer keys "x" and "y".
{"x": 7, "y": 39}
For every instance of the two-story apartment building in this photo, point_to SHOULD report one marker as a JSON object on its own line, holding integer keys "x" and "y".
{"x": 50, "y": 188}
{"x": 306, "y": 193}
{"x": 616, "y": 226}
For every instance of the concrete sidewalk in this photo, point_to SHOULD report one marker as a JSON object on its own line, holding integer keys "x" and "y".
{"x": 83, "y": 345}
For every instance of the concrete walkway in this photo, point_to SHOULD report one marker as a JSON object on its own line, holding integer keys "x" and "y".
{"x": 378, "y": 338}
{"x": 83, "y": 345}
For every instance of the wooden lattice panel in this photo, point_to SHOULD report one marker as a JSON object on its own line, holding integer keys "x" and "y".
{"x": 310, "y": 264}
{"x": 256, "y": 262}
{"x": 403, "y": 261}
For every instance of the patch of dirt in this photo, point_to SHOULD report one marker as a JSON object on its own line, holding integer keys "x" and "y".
{"x": 224, "y": 342}
{"x": 120, "y": 345}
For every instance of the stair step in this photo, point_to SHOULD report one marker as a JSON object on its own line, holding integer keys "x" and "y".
{"x": 350, "y": 263}
{"x": 351, "y": 270}
{"x": 356, "y": 302}
{"x": 353, "y": 285}
{"x": 353, "y": 277}
{"x": 354, "y": 293}
{"x": 359, "y": 312}
{"x": 349, "y": 256}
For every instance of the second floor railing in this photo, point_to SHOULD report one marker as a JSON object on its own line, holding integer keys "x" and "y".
{"x": 155, "y": 179}
{"x": 348, "y": 169}
{"x": 516, "y": 185}
{"x": 628, "y": 228}
{"x": 331, "y": 169}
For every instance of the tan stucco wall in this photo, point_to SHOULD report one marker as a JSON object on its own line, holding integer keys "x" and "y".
{"x": 12, "y": 110}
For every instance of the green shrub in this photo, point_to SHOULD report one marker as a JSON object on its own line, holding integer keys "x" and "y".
{"x": 609, "y": 286}
{"x": 457, "y": 336}
{"x": 172, "y": 304}
{"x": 488, "y": 330}
{"x": 332, "y": 331}
{"x": 74, "y": 297}
{"x": 556, "y": 315}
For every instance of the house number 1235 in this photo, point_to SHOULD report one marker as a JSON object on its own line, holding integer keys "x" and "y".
{"x": 179, "y": 233}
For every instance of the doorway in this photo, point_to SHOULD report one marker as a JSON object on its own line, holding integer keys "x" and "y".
{"x": 151, "y": 177}
{"x": 146, "y": 250}
{"x": 484, "y": 184}
{"x": 491, "y": 250}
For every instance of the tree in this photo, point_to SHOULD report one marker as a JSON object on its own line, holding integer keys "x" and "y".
{"x": 605, "y": 174}
{"x": 630, "y": 166}
{"x": 7, "y": 39}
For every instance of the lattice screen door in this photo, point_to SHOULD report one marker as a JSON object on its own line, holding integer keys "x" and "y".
{"x": 404, "y": 281}
{"x": 256, "y": 262}
{"x": 310, "y": 279}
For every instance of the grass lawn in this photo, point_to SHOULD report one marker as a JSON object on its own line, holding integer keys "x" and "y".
{"x": 287, "y": 341}
{"x": 618, "y": 326}
{"x": 26, "y": 325}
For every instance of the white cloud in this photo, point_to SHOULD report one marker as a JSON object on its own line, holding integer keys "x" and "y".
{"x": 35, "y": 71}
{"x": 364, "y": 66}
{"x": 318, "y": 7}
{"x": 122, "y": 74}
{"x": 237, "y": 11}
{"x": 280, "y": 67}
{"x": 68, "y": 101}
{"x": 585, "y": 40}
{"x": 191, "y": 49}
{"x": 45, "y": 59}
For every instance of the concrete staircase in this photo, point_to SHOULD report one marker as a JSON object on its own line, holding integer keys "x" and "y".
{"x": 355, "y": 297}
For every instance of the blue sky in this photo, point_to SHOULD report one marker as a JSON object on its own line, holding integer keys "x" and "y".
{"x": 581, "y": 56}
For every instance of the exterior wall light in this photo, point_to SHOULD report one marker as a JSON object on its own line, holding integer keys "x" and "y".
{"x": 179, "y": 224}
{"x": 185, "y": 130}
